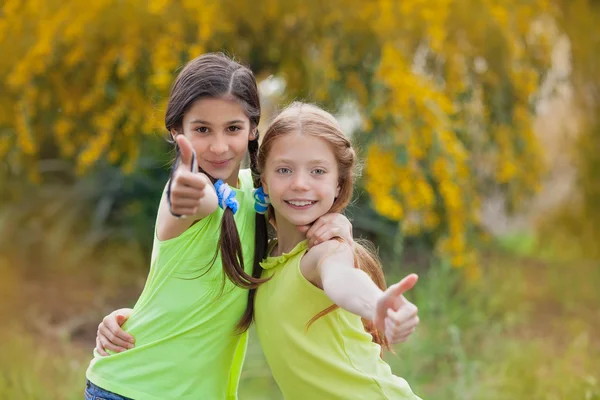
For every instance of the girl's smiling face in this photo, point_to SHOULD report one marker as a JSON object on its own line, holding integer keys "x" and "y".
{"x": 219, "y": 131}
{"x": 301, "y": 178}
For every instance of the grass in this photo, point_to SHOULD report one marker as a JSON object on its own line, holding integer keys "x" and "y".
{"x": 526, "y": 330}
{"x": 29, "y": 370}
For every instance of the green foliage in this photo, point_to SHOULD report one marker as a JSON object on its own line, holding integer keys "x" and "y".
{"x": 442, "y": 89}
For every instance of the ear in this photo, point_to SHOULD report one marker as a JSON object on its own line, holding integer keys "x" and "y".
{"x": 252, "y": 134}
{"x": 174, "y": 133}
{"x": 337, "y": 191}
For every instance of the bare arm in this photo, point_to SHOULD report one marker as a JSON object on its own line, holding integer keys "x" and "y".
{"x": 169, "y": 226}
{"x": 331, "y": 268}
{"x": 192, "y": 196}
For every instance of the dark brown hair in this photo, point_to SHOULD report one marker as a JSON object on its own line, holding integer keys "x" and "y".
{"x": 308, "y": 119}
{"x": 216, "y": 75}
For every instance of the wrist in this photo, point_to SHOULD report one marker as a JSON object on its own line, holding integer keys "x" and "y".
{"x": 377, "y": 299}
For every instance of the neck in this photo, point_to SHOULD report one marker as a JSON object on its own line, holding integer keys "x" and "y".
{"x": 288, "y": 236}
{"x": 233, "y": 180}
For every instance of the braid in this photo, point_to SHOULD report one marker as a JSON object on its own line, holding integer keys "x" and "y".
{"x": 253, "y": 153}
{"x": 261, "y": 241}
{"x": 229, "y": 245}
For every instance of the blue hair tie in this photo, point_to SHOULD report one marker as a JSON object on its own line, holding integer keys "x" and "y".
{"x": 261, "y": 200}
{"x": 226, "y": 196}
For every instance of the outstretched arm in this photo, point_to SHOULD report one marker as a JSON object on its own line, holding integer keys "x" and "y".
{"x": 331, "y": 268}
{"x": 192, "y": 195}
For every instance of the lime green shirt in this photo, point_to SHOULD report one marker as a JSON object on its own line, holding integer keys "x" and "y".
{"x": 184, "y": 325}
{"x": 335, "y": 358}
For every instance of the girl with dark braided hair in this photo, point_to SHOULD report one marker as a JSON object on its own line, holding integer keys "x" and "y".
{"x": 190, "y": 321}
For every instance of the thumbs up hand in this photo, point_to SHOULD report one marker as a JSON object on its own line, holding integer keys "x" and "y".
{"x": 187, "y": 155}
{"x": 394, "y": 314}
{"x": 186, "y": 188}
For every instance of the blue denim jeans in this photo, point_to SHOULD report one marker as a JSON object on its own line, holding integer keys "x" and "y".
{"x": 93, "y": 392}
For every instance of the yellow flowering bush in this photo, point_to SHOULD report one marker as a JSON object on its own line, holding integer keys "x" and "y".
{"x": 444, "y": 88}
{"x": 460, "y": 78}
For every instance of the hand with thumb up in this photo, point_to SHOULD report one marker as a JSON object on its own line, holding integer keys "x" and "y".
{"x": 186, "y": 187}
{"x": 394, "y": 314}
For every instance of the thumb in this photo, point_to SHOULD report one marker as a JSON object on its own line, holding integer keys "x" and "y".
{"x": 186, "y": 152}
{"x": 121, "y": 319}
{"x": 404, "y": 285}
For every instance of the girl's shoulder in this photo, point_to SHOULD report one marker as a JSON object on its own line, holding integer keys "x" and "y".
{"x": 319, "y": 253}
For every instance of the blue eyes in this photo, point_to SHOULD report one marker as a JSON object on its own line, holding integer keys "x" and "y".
{"x": 317, "y": 171}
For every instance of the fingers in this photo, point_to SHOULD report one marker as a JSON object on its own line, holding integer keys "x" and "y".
{"x": 184, "y": 206}
{"x": 127, "y": 337}
{"x": 187, "y": 191}
{"x": 399, "y": 325}
{"x": 111, "y": 329}
{"x": 184, "y": 192}
{"x": 316, "y": 226}
{"x": 309, "y": 231}
{"x": 108, "y": 345}
{"x": 405, "y": 316}
{"x": 343, "y": 226}
{"x": 186, "y": 179}
{"x": 100, "y": 348}
{"x": 103, "y": 342}
{"x": 187, "y": 203}
{"x": 398, "y": 337}
{"x": 111, "y": 342}
{"x": 327, "y": 227}
{"x": 186, "y": 152}
{"x": 324, "y": 234}
{"x": 335, "y": 220}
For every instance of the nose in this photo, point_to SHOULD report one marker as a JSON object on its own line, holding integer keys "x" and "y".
{"x": 219, "y": 145}
{"x": 299, "y": 182}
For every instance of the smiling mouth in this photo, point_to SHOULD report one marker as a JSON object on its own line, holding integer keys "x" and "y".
{"x": 218, "y": 163}
{"x": 300, "y": 203}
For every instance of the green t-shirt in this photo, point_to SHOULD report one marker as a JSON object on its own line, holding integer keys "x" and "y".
{"x": 184, "y": 324}
{"x": 335, "y": 359}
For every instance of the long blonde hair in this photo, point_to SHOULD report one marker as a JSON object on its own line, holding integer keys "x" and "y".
{"x": 308, "y": 119}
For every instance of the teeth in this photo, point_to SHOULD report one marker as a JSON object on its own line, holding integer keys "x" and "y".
{"x": 300, "y": 203}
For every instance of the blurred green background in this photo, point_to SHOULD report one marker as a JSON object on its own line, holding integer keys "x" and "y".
{"x": 476, "y": 120}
